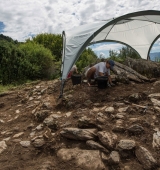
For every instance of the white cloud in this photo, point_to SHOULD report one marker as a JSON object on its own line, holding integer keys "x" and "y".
{"x": 25, "y": 17}
{"x": 106, "y": 47}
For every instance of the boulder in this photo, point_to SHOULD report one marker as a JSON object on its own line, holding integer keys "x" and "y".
{"x": 126, "y": 144}
{"x": 108, "y": 139}
{"x": 145, "y": 158}
{"x": 84, "y": 159}
{"x": 96, "y": 146}
{"x": 79, "y": 134}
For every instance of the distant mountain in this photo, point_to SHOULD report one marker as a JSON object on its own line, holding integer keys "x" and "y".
{"x": 155, "y": 56}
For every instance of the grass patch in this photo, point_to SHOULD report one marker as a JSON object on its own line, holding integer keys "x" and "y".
{"x": 5, "y": 88}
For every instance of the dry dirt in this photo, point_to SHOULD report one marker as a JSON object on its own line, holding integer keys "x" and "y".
{"x": 17, "y": 108}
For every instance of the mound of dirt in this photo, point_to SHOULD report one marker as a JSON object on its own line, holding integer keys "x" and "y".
{"x": 114, "y": 128}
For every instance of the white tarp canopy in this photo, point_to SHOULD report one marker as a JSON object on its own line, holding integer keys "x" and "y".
{"x": 138, "y": 30}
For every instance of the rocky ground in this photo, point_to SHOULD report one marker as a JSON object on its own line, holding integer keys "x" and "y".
{"x": 112, "y": 129}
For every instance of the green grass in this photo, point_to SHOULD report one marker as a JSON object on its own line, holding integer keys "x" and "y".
{"x": 5, "y": 88}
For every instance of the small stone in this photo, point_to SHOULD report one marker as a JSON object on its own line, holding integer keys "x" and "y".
{"x": 108, "y": 139}
{"x": 68, "y": 114}
{"x": 41, "y": 115}
{"x": 145, "y": 158}
{"x": 3, "y": 146}
{"x": 120, "y": 115}
{"x": 119, "y": 129}
{"x": 114, "y": 158}
{"x": 95, "y": 145}
{"x": 2, "y": 121}
{"x": 135, "y": 97}
{"x": 38, "y": 142}
{"x": 18, "y": 135}
{"x": 123, "y": 109}
{"x": 126, "y": 144}
{"x": 157, "y": 83}
{"x": 39, "y": 127}
{"x": 17, "y": 111}
{"x": 136, "y": 129}
{"x": 7, "y": 139}
{"x": 109, "y": 110}
{"x": 95, "y": 109}
{"x": 25, "y": 143}
{"x": 156, "y": 139}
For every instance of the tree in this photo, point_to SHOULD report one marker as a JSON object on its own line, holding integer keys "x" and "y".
{"x": 86, "y": 58}
{"x": 51, "y": 41}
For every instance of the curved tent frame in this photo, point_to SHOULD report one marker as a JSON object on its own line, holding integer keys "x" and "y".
{"x": 139, "y": 30}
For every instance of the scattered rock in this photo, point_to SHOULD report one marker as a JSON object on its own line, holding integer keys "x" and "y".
{"x": 126, "y": 144}
{"x": 38, "y": 142}
{"x": 48, "y": 165}
{"x": 120, "y": 115}
{"x": 157, "y": 83}
{"x": 85, "y": 122}
{"x": 135, "y": 129}
{"x": 135, "y": 97}
{"x": 108, "y": 139}
{"x": 101, "y": 118}
{"x": 154, "y": 95}
{"x": 109, "y": 110}
{"x": 79, "y": 134}
{"x": 145, "y": 158}
{"x": 114, "y": 158}
{"x": 87, "y": 103}
{"x": 156, "y": 140}
{"x": 97, "y": 146}
{"x": 52, "y": 121}
{"x": 155, "y": 102}
{"x": 84, "y": 159}
{"x": 18, "y": 135}
{"x": 3, "y": 146}
{"x": 123, "y": 109}
{"x": 95, "y": 109}
{"x": 119, "y": 129}
{"x": 39, "y": 127}
{"x": 118, "y": 104}
{"x": 41, "y": 115}
{"x": 68, "y": 114}
{"x": 25, "y": 143}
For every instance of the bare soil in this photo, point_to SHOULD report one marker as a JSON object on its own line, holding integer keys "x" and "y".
{"x": 17, "y": 115}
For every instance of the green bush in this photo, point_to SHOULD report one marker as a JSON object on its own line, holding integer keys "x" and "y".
{"x": 27, "y": 61}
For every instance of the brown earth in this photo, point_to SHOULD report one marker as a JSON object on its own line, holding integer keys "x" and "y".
{"x": 17, "y": 109}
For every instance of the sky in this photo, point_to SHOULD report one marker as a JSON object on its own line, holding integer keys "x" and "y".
{"x": 21, "y": 19}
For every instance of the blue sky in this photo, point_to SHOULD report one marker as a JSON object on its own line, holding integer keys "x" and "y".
{"x": 21, "y": 19}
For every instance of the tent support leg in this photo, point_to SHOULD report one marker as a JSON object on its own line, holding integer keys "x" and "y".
{"x": 61, "y": 89}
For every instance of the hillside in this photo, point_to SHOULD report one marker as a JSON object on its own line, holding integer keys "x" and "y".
{"x": 89, "y": 129}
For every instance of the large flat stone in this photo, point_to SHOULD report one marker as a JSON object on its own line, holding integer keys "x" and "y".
{"x": 126, "y": 144}
{"x": 79, "y": 134}
{"x": 85, "y": 159}
{"x": 145, "y": 158}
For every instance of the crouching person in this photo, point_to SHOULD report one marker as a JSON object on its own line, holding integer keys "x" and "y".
{"x": 100, "y": 69}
